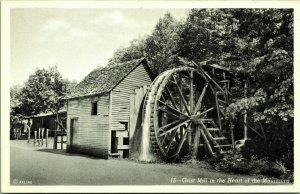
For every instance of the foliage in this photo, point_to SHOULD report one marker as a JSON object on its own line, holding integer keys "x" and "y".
{"x": 158, "y": 48}
{"x": 253, "y": 166}
{"x": 44, "y": 91}
{"x": 162, "y": 45}
{"x": 134, "y": 51}
{"x": 256, "y": 42}
{"x": 15, "y": 93}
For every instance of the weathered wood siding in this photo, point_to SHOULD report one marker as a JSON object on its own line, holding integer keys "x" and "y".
{"x": 121, "y": 96}
{"x": 120, "y": 105}
{"x": 92, "y": 130}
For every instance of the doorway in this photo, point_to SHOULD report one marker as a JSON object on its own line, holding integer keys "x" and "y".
{"x": 73, "y": 131}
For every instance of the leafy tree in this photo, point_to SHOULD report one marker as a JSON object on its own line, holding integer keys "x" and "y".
{"x": 15, "y": 92}
{"x": 264, "y": 49}
{"x": 162, "y": 45}
{"x": 256, "y": 42}
{"x": 44, "y": 91}
{"x": 134, "y": 51}
{"x": 15, "y": 103}
{"x": 158, "y": 48}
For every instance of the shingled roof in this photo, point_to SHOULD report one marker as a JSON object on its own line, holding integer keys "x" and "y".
{"x": 104, "y": 79}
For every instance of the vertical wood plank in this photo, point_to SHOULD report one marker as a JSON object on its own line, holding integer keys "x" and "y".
{"x": 39, "y": 137}
{"x": 47, "y": 131}
{"x": 29, "y": 130}
{"x": 42, "y": 136}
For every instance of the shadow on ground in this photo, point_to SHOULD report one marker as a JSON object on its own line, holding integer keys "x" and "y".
{"x": 64, "y": 152}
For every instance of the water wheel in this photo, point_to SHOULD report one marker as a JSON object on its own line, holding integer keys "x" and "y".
{"x": 181, "y": 106}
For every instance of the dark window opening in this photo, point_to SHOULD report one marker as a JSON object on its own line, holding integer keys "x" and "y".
{"x": 125, "y": 141}
{"x": 94, "y": 108}
{"x": 114, "y": 142}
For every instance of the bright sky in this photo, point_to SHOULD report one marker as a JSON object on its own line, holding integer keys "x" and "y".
{"x": 76, "y": 40}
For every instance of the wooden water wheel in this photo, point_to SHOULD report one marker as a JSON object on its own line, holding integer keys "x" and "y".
{"x": 182, "y": 111}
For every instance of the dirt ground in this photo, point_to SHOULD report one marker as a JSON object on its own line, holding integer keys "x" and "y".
{"x": 39, "y": 166}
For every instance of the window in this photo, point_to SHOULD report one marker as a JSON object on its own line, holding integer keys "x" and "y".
{"x": 125, "y": 140}
{"x": 94, "y": 108}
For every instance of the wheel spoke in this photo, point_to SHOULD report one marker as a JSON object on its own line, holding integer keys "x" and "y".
{"x": 163, "y": 98}
{"x": 168, "y": 125}
{"x": 171, "y": 97}
{"x": 173, "y": 128}
{"x": 207, "y": 110}
{"x": 169, "y": 112}
{"x": 177, "y": 111}
{"x": 181, "y": 143}
{"x": 171, "y": 138}
{"x": 181, "y": 96}
{"x": 162, "y": 142}
{"x": 198, "y": 105}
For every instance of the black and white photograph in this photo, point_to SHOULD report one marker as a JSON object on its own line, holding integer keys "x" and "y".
{"x": 138, "y": 94}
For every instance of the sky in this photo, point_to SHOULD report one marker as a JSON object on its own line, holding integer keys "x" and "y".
{"x": 76, "y": 40}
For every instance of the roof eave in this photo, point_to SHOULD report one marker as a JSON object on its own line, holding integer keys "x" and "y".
{"x": 88, "y": 95}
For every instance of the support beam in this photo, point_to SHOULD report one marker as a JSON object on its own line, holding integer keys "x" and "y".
{"x": 218, "y": 110}
{"x": 245, "y": 113}
{"x": 196, "y": 142}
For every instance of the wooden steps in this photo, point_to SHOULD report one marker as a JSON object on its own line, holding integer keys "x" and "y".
{"x": 216, "y": 142}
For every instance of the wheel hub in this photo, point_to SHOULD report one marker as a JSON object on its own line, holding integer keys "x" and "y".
{"x": 196, "y": 119}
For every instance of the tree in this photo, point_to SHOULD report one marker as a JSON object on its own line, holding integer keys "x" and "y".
{"x": 15, "y": 92}
{"x": 162, "y": 45}
{"x": 134, "y": 51}
{"x": 15, "y": 104}
{"x": 44, "y": 91}
{"x": 158, "y": 48}
{"x": 256, "y": 42}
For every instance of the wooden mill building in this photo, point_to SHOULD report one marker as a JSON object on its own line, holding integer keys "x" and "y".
{"x": 99, "y": 114}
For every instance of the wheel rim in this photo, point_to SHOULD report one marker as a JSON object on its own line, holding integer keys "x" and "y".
{"x": 184, "y": 97}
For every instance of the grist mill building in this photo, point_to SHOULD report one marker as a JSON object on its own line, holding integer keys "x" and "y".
{"x": 102, "y": 111}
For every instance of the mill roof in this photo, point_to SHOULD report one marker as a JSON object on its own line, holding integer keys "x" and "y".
{"x": 104, "y": 79}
